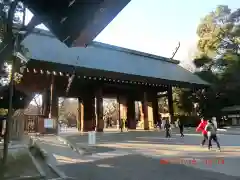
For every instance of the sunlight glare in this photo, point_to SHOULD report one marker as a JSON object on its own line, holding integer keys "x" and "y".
{"x": 29, "y": 16}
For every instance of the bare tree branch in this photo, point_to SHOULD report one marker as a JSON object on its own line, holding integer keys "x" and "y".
{"x": 37, "y": 104}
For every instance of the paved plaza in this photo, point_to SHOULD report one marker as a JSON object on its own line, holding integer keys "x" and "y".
{"x": 141, "y": 155}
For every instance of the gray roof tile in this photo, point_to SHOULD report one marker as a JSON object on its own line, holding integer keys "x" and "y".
{"x": 45, "y": 47}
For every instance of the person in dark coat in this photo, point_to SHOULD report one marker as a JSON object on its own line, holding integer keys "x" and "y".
{"x": 181, "y": 127}
{"x": 212, "y": 134}
{"x": 126, "y": 124}
{"x": 159, "y": 123}
{"x": 167, "y": 128}
{"x": 121, "y": 124}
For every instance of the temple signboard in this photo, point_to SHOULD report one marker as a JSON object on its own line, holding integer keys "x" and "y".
{"x": 48, "y": 123}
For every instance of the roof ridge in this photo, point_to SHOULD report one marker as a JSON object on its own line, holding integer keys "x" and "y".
{"x": 42, "y": 32}
{"x": 131, "y": 51}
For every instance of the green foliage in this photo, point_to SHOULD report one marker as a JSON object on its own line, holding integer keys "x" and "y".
{"x": 11, "y": 15}
{"x": 219, "y": 31}
{"x": 181, "y": 106}
{"x": 202, "y": 62}
{"x": 184, "y": 102}
{"x": 217, "y": 62}
{"x": 3, "y": 112}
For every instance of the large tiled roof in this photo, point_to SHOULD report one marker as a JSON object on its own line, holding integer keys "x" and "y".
{"x": 45, "y": 47}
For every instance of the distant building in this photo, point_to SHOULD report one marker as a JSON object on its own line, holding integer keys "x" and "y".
{"x": 232, "y": 114}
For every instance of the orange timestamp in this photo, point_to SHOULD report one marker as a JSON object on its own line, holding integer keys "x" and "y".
{"x": 192, "y": 161}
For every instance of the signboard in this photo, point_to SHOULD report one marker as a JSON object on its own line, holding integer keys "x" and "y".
{"x": 48, "y": 123}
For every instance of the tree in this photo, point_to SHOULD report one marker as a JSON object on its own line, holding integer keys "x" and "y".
{"x": 217, "y": 62}
{"x": 219, "y": 32}
{"x": 68, "y": 110}
{"x": 110, "y": 110}
{"x": 177, "y": 103}
{"x": 37, "y": 103}
{"x": 183, "y": 101}
{"x": 11, "y": 35}
{"x": 12, "y": 21}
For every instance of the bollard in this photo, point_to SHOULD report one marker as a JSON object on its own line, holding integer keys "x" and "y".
{"x": 91, "y": 137}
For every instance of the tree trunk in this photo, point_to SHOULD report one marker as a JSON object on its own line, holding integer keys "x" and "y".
{"x": 6, "y": 47}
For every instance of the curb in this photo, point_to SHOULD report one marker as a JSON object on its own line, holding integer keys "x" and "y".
{"x": 52, "y": 167}
{"x": 37, "y": 165}
{"x": 39, "y": 169}
{"x": 57, "y": 171}
{"x": 75, "y": 149}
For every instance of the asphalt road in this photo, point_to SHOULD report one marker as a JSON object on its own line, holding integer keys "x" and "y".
{"x": 137, "y": 167}
{"x": 139, "y": 155}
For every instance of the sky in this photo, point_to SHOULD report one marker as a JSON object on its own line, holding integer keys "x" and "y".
{"x": 156, "y": 26}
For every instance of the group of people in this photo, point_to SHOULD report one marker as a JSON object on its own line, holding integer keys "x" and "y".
{"x": 206, "y": 127}
{"x": 167, "y": 127}
{"x": 209, "y": 133}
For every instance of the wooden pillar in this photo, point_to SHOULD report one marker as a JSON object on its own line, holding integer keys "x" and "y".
{"x": 88, "y": 123}
{"x": 145, "y": 111}
{"x": 53, "y": 104}
{"x": 148, "y": 112}
{"x": 141, "y": 113}
{"x": 46, "y": 102}
{"x": 131, "y": 113}
{"x": 155, "y": 109}
{"x": 80, "y": 114}
{"x": 170, "y": 104}
{"x": 122, "y": 108}
{"x": 99, "y": 118}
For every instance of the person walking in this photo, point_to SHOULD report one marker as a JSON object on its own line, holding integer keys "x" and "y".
{"x": 159, "y": 123}
{"x": 212, "y": 134}
{"x": 201, "y": 128}
{"x": 121, "y": 124}
{"x": 126, "y": 124}
{"x": 181, "y": 127}
{"x": 167, "y": 127}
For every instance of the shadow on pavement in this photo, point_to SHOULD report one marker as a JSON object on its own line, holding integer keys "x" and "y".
{"x": 96, "y": 149}
{"x": 137, "y": 167}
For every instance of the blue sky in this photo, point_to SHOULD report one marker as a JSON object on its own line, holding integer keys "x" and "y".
{"x": 156, "y": 26}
